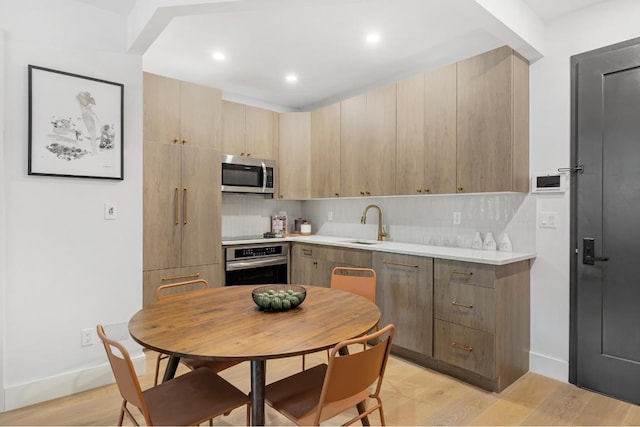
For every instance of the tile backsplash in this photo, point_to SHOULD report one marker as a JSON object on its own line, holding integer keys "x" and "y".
{"x": 408, "y": 219}
{"x": 250, "y": 214}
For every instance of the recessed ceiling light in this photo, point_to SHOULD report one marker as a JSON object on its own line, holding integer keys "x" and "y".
{"x": 218, "y": 56}
{"x": 292, "y": 78}
{"x": 373, "y": 38}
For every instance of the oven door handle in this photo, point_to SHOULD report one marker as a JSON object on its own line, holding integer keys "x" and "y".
{"x": 255, "y": 263}
{"x": 264, "y": 177}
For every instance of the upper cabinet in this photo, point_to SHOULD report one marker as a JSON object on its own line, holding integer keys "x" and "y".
{"x": 367, "y": 143}
{"x": 426, "y": 133}
{"x": 294, "y": 155}
{"x": 248, "y": 131}
{"x": 325, "y": 151}
{"x": 175, "y": 111}
{"x": 493, "y": 122}
{"x": 440, "y": 130}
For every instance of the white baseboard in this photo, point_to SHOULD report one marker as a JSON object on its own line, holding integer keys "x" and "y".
{"x": 64, "y": 385}
{"x": 549, "y": 367}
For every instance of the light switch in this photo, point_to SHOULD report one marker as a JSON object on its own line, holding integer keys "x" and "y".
{"x": 548, "y": 220}
{"x": 110, "y": 211}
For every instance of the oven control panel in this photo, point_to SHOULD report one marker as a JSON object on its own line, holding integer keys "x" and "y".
{"x": 256, "y": 251}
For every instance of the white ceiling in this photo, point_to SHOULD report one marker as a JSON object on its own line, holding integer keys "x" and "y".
{"x": 322, "y": 41}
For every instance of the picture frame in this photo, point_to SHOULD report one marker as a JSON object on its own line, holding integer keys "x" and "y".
{"x": 75, "y": 125}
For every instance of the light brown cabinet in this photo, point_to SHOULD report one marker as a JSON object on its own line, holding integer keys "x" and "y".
{"x": 325, "y": 152}
{"x": 181, "y": 197}
{"x": 404, "y": 294}
{"x": 493, "y": 122}
{"x": 481, "y": 321}
{"x": 180, "y": 112}
{"x": 294, "y": 155}
{"x": 248, "y": 131}
{"x": 368, "y": 143}
{"x": 312, "y": 264}
{"x": 426, "y": 133}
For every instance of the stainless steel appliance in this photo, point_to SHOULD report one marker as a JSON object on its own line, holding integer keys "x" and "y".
{"x": 253, "y": 264}
{"x": 242, "y": 174}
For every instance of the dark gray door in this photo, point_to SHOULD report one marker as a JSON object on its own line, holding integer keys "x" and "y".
{"x": 607, "y": 221}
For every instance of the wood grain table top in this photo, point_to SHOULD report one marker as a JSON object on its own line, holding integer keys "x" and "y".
{"x": 225, "y": 324}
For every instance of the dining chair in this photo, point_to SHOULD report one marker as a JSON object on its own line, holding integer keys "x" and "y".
{"x": 189, "y": 399}
{"x": 359, "y": 281}
{"x": 171, "y": 290}
{"x": 320, "y": 393}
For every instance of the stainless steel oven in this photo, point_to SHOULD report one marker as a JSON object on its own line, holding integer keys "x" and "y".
{"x": 254, "y": 264}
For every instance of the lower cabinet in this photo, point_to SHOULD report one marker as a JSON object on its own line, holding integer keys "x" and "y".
{"x": 312, "y": 264}
{"x": 465, "y": 319}
{"x": 481, "y": 321}
{"x": 404, "y": 293}
{"x": 152, "y": 279}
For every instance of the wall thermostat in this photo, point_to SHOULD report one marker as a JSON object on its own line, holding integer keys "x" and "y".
{"x": 549, "y": 183}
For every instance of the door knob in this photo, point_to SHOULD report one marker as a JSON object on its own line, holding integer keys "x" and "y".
{"x": 588, "y": 252}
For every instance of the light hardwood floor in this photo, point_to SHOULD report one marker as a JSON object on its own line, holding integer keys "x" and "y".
{"x": 412, "y": 395}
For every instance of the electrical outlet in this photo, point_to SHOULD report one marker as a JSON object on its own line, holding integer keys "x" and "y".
{"x": 457, "y": 218}
{"x": 86, "y": 337}
{"x": 330, "y": 216}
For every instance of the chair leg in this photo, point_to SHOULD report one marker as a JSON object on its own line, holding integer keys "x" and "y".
{"x": 121, "y": 419}
{"x": 382, "y": 422}
{"x": 158, "y": 359}
{"x": 248, "y": 414}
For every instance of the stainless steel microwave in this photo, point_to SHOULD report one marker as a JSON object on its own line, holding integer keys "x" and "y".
{"x": 242, "y": 174}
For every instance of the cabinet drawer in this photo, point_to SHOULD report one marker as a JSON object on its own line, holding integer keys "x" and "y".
{"x": 464, "y": 272}
{"x": 341, "y": 256}
{"x": 467, "y": 348}
{"x": 472, "y": 306}
{"x": 151, "y": 280}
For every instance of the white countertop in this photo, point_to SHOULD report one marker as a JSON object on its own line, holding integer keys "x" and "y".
{"x": 443, "y": 252}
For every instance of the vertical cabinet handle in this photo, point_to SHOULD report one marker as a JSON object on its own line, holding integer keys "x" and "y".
{"x": 176, "y": 203}
{"x": 184, "y": 205}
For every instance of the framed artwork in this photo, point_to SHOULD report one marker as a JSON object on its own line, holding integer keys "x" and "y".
{"x": 75, "y": 125}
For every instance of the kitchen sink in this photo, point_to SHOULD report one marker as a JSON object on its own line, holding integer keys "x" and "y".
{"x": 362, "y": 242}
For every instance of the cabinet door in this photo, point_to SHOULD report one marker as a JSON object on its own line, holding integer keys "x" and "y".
{"x": 259, "y": 132}
{"x": 200, "y": 115}
{"x": 233, "y": 119}
{"x": 325, "y": 151}
{"x": 484, "y": 122}
{"x": 161, "y": 109}
{"x": 379, "y": 150}
{"x": 440, "y": 130}
{"x": 353, "y": 143}
{"x": 294, "y": 155}
{"x": 404, "y": 294}
{"x": 161, "y": 206}
{"x": 410, "y": 139}
{"x": 200, "y": 194}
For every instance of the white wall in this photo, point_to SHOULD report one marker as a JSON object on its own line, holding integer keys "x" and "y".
{"x": 66, "y": 267}
{"x": 590, "y": 28}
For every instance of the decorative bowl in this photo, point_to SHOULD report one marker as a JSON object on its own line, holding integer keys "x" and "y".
{"x": 278, "y": 297}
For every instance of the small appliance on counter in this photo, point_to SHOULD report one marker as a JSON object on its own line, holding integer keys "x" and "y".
{"x": 301, "y": 226}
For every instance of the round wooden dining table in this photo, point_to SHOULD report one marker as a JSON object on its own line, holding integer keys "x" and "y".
{"x": 224, "y": 323}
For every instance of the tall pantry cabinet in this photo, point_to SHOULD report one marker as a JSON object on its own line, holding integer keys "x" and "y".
{"x": 181, "y": 202}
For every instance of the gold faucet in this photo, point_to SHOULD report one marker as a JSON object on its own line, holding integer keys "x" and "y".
{"x": 363, "y": 220}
